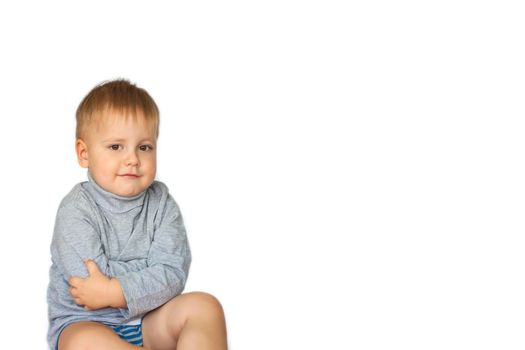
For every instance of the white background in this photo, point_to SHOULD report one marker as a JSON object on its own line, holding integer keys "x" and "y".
{"x": 350, "y": 173}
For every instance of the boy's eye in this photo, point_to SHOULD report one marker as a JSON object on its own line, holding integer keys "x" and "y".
{"x": 146, "y": 148}
{"x": 115, "y": 147}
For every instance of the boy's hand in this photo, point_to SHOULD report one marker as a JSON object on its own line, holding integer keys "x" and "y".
{"x": 93, "y": 291}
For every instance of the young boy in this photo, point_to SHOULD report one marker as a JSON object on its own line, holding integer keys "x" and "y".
{"x": 120, "y": 256}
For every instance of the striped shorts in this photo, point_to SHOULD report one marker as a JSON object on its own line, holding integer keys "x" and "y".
{"x": 132, "y": 333}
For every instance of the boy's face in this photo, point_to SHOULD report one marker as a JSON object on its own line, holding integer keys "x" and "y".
{"x": 121, "y": 154}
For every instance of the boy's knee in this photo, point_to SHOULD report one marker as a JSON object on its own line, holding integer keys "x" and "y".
{"x": 79, "y": 336}
{"x": 204, "y": 304}
{"x": 71, "y": 340}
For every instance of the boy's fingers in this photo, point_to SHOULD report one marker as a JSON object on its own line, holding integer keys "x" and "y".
{"x": 73, "y": 281}
{"x": 91, "y": 267}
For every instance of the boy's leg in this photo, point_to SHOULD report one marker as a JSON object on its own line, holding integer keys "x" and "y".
{"x": 92, "y": 335}
{"x": 188, "y": 321}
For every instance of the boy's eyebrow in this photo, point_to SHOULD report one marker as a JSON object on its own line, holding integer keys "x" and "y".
{"x": 123, "y": 140}
{"x": 147, "y": 140}
{"x": 113, "y": 140}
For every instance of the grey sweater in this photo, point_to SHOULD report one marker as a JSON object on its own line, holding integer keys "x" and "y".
{"x": 139, "y": 240}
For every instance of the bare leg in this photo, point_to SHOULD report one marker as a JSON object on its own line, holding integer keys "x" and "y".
{"x": 92, "y": 335}
{"x": 189, "y": 321}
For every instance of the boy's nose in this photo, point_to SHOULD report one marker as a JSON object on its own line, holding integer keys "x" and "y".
{"x": 132, "y": 159}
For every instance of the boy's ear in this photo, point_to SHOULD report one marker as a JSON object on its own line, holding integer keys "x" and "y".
{"x": 82, "y": 153}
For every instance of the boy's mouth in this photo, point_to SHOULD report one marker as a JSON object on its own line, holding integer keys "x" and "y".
{"x": 129, "y": 176}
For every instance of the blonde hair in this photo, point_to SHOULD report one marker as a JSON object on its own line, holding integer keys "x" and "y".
{"x": 116, "y": 96}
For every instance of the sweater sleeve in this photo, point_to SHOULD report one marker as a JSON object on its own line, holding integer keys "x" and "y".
{"x": 167, "y": 268}
{"x": 75, "y": 240}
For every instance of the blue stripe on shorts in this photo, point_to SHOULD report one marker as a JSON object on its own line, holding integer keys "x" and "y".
{"x": 130, "y": 333}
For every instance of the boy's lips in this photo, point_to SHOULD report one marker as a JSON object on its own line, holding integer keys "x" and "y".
{"x": 132, "y": 176}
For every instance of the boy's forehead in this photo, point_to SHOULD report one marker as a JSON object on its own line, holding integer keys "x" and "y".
{"x": 116, "y": 122}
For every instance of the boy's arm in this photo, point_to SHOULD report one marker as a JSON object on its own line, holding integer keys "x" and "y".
{"x": 75, "y": 241}
{"x": 167, "y": 268}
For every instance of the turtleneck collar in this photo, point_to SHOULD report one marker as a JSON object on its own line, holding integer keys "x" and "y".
{"x": 113, "y": 202}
